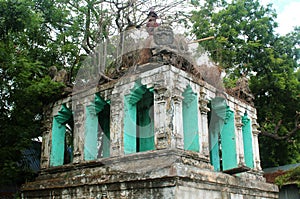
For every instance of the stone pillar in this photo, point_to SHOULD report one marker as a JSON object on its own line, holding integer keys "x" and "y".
{"x": 116, "y": 123}
{"x": 160, "y": 115}
{"x": 78, "y": 132}
{"x": 45, "y": 156}
{"x": 175, "y": 115}
{"x": 204, "y": 134}
{"x": 255, "y": 133}
{"x": 177, "y": 123}
{"x": 46, "y": 143}
{"x": 239, "y": 137}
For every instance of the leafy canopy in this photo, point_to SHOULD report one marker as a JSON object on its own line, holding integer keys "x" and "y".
{"x": 24, "y": 85}
{"x": 37, "y": 35}
{"x": 245, "y": 43}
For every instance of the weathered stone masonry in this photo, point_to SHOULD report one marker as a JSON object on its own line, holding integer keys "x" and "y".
{"x": 184, "y": 139}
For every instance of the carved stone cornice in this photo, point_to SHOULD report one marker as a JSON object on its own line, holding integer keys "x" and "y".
{"x": 203, "y": 102}
{"x": 203, "y": 106}
{"x": 177, "y": 98}
{"x": 161, "y": 93}
{"x": 255, "y": 127}
{"x": 238, "y": 121}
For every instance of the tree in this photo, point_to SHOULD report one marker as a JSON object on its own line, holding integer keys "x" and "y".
{"x": 245, "y": 43}
{"x": 243, "y": 29}
{"x": 39, "y": 35}
{"x": 24, "y": 85}
{"x": 277, "y": 99}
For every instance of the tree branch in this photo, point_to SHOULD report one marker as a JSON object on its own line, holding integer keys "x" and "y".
{"x": 274, "y": 135}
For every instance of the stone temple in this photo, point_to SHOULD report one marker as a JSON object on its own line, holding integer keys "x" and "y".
{"x": 150, "y": 126}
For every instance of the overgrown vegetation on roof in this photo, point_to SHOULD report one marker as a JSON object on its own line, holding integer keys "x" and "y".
{"x": 292, "y": 176}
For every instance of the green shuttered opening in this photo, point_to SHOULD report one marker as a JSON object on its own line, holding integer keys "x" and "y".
{"x": 222, "y": 138}
{"x": 97, "y": 130}
{"x": 247, "y": 140}
{"x": 228, "y": 142}
{"x": 139, "y": 120}
{"x": 145, "y": 124}
{"x": 216, "y": 121}
{"x": 190, "y": 120}
{"x": 62, "y": 137}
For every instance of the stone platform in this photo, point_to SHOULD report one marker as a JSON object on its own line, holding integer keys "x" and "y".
{"x": 154, "y": 174}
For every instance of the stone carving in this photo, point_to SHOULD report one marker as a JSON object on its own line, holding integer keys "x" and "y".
{"x": 242, "y": 90}
{"x": 58, "y": 76}
{"x": 163, "y": 35}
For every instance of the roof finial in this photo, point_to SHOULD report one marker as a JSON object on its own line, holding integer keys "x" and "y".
{"x": 151, "y": 24}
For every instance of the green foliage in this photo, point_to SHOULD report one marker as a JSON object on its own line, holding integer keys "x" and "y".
{"x": 34, "y": 36}
{"x": 242, "y": 29}
{"x": 229, "y": 82}
{"x": 245, "y": 43}
{"x": 290, "y": 177}
{"x": 25, "y": 86}
{"x": 277, "y": 99}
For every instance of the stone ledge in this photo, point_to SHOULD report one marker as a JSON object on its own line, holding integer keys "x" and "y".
{"x": 129, "y": 158}
{"x": 142, "y": 167}
{"x": 165, "y": 187}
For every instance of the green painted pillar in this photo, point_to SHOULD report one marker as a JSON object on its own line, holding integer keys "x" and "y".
{"x": 214, "y": 146}
{"x": 58, "y": 136}
{"x": 228, "y": 142}
{"x": 91, "y": 134}
{"x": 145, "y": 123}
{"x": 138, "y": 120}
{"x": 216, "y": 122}
{"x": 58, "y": 143}
{"x": 247, "y": 140}
{"x": 129, "y": 127}
{"x": 190, "y": 120}
{"x": 94, "y": 117}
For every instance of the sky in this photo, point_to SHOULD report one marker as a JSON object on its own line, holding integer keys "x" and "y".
{"x": 288, "y": 14}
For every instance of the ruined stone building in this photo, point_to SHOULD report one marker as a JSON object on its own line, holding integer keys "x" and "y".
{"x": 151, "y": 130}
